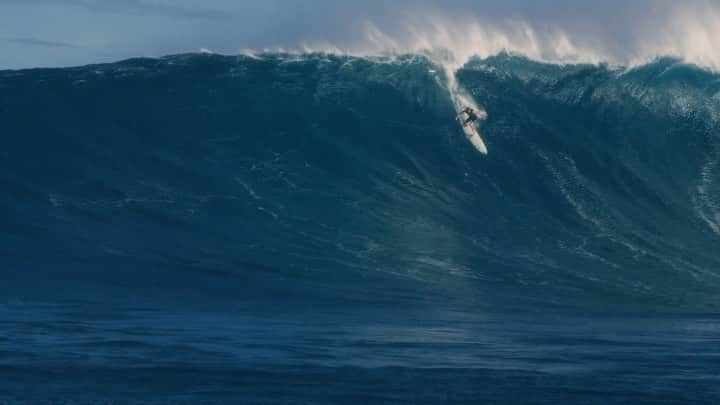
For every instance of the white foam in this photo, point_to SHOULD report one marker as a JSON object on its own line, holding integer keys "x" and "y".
{"x": 687, "y": 30}
{"x": 706, "y": 206}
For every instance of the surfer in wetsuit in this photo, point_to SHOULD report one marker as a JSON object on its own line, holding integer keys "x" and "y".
{"x": 471, "y": 115}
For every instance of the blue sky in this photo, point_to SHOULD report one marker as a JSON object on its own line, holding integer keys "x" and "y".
{"x": 71, "y": 32}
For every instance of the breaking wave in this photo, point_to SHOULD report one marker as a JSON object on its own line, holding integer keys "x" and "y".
{"x": 320, "y": 176}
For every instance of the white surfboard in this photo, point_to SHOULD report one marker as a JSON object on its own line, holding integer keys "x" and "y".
{"x": 472, "y": 134}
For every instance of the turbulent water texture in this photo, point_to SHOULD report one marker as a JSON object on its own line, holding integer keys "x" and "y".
{"x": 336, "y": 185}
{"x": 351, "y": 174}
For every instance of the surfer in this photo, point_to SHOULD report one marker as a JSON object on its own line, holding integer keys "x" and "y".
{"x": 472, "y": 115}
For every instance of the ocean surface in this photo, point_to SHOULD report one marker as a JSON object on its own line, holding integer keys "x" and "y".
{"x": 317, "y": 229}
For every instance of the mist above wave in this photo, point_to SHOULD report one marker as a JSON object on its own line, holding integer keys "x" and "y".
{"x": 685, "y": 31}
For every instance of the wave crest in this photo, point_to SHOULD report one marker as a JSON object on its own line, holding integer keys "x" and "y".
{"x": 686, "y": 30}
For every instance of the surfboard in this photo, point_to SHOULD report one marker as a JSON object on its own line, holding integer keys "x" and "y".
{"x": 472, "y": 134}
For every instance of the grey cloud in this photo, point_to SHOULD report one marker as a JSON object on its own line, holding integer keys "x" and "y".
{"x": 139, "y": 7}
{"x": 41, "y": 43}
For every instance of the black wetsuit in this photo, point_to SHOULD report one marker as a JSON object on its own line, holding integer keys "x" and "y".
{"x": 472, "y": 117}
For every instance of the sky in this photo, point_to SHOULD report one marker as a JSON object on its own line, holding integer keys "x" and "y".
{"x": 43, "y": 33}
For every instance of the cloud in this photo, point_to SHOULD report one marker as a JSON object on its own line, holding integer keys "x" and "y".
{"x": 41, "y": 43}
{"x": 136, "y": 7}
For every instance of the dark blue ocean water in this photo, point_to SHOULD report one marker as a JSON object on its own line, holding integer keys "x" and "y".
{"x": 316, "y": 229}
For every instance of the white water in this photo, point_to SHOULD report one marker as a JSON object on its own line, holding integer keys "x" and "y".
{"x": 685, "y": 29}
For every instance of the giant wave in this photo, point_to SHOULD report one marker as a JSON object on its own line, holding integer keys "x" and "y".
{"x": 346, "y": 178}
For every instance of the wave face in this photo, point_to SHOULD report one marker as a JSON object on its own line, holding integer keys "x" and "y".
{"x": 323, "y": 177}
